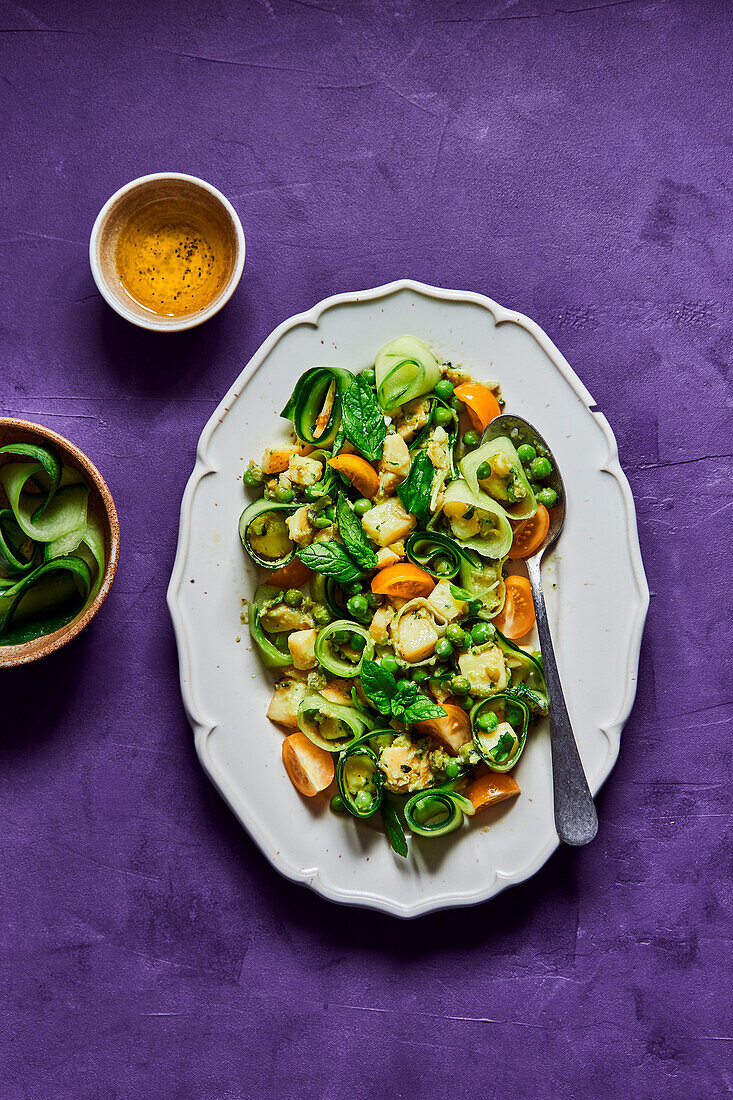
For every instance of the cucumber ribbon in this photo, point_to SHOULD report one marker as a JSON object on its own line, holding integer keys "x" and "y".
{"x": 500, "y": 745}
{"x": 52, "y": 551}
{"x": 427, "y": 548}
{"x": 315, "y": 404}
{"x": 436, "y": 811}
{"x": 359, "y": 779}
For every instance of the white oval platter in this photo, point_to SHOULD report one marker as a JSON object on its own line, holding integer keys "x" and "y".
{"x": 597, "y": 602}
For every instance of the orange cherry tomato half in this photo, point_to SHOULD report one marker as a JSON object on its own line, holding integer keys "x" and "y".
{"x": 453, "y": 730}
{"x": 489, "y": 789}
{"x": 310, "y": 768}
{"x": 517, "y": 617}
{"x": 529, "y": 534}
{"x": 481, "y": 404}
{"x": 293, "y": 575}
{"x": 404, "y": 580}
{"x": 358, "y": 471}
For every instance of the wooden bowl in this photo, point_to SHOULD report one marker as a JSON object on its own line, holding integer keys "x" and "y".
{"x": 101, "y": 504}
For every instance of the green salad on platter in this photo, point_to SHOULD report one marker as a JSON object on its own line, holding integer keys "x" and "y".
{"x": 392, "y": 601}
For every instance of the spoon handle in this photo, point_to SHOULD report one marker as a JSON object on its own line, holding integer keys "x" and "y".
{"x": 576, "y": 820}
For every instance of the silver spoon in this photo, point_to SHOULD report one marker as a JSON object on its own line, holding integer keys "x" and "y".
{"x": 576, "y": 820}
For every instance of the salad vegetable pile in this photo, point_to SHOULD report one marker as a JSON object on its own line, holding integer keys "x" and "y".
{"x": 385, "y": 525}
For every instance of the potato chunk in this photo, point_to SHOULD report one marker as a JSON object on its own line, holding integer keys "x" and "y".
{"x": 303, "y": 470}
{"x": 281, "y": 617}
{"x": 485, "y": 670}
{"x": 442, "y": 600}
{"x": 387, "y": 522}
{"x": 302, "y": 646}
{"x": 300, "y": 528}
{"x": 285, "y": 701}
{"x": 275, "y": 459}
{"x": 416, "y": 635}
{"x": 394, "y": 465}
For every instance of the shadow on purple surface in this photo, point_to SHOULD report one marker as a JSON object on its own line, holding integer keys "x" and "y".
{"x": 154, "y": 362}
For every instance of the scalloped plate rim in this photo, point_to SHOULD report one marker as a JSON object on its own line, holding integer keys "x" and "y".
{"x": 203, "y": 726}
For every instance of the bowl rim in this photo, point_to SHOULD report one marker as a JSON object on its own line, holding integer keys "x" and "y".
{"x": 166, "y": 324}
{"x": 12, "y": 656}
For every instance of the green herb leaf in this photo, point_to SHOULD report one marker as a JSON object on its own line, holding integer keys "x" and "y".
{"x": 379, "y": 685}
{"x": 414, "y": 492}
{"x": 422, "y": 709}
{"x": 362, "y": 419}
{"x": 353, "y": 535}
{"x": 503, "y": 747}
{"x": 393, "y": 827}
{"x": 330, "y": 559}
{"x": 474, "y": 603}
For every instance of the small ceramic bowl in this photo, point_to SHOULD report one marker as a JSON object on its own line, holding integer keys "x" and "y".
{"x": 100, "y": 504}
{"x": 115, "y": 214}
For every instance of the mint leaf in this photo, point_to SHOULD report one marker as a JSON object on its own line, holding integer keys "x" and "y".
{"x": 379, "y": 685}
{"x": 362, "y": 420}
{"x": 421, "y": 709}
{"x": 414, "y": 492}
{"x": 330, "y": 559}
{"x": 393, "y": 827}
{"x": 353, "y": 535}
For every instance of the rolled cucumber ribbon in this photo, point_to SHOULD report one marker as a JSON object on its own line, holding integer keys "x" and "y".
{"x": 332, "y": 638}
{"x": 505, "y": 480}
{"x": 405, "y": 368}
{"x": 436, "y": 812}
{"x": 439, "y": 555}
{"x": 315, "y": 404}
{"x": 331, "y": 726}
{"x": 359, "y": 779}
{"x": 476, "y": 521}
{"x": 265, "y": 535}
{"x": 499, "y": 727}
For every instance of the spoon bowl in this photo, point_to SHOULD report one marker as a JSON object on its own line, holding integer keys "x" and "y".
{"x": 575, "y": 813}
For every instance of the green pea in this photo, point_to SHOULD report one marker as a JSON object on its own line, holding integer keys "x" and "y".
{"x": 540, "y": 468}
{"x": 452, "y": 769}
{"x": 487, "y": 721}
{"x": 441, "y": 416}
{"x": 252, "y": 477}
{"x": 419, "y": 675}
{"x": 471, "y": 439}
{"x": 389, "y": 664}
{"x": 460, "y": 685}
{"x": 456, "y": 404}
{"x": 337, "y": 804}
{"x": 526, "y": 452}
{"x": 282, "y": 495}
{"x": 353, "y": 588}
{"x": 357, "y": 642}
{"x": 316, "y": 491}
{"x": 547, "y": 496}
{"x": 362, "y": 506}
{"x": 363, "y": 801}
{"x": 293, "y": 597}
{"x": 358, "y": 606}
{"x": 341, "y": 637}
{"x": 374, "y": 599}
{"x": 443, "y": 649}
{"x": 467, "y": 702}
{"x": 369, "y": 376}
{"x": 482, "y": 633}
{"x": 483, "y": 471}
{"x": 321, "y": 614}
{"x": 330, "y": 513}
{"x": 457, "y": 635}
{"x": 321, "y": 522}
{"x": 444, "y": 389}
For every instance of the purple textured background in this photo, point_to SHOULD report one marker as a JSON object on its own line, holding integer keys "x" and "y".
{"x": 570, "y": 160}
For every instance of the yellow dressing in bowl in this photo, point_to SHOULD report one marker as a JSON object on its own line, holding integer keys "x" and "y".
{"x": 173, "y": 256}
